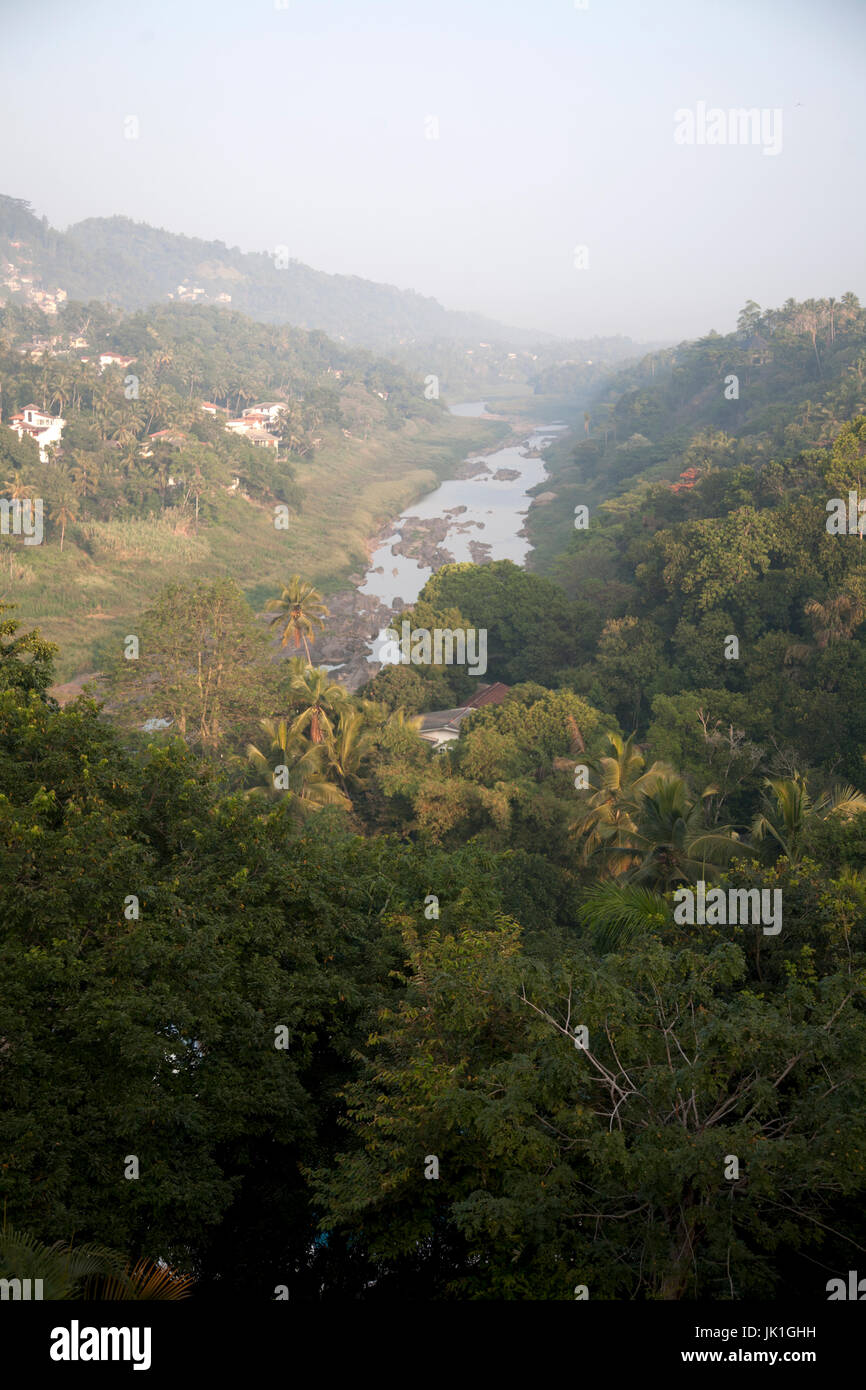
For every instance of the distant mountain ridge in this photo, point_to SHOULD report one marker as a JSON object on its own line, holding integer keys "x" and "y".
{"x": 135, "y": 265}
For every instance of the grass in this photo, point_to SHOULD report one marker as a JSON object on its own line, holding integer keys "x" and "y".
{"x": 89, "y": 597}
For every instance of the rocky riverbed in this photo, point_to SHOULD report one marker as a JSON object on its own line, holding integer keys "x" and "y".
{"x": 478, "y": 516}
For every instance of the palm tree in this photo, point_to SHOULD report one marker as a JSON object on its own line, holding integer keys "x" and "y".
{"x": 789, "y": 813}
{"x": 304, "y": 769}
{"x": 86, "y": 1271}
{"x": 322, "y": 700}
{"x": 399, "y": 719}
{"x": 609, "y": 820}
{"x": 85, "y": 476}
{"x": 835, "y": 620}
{"x": 158, "y": 404}
{"x": 64, "y": 512}
{"x": 301, "y": 609}
{"x": 62, "y": 392}
{"x": 616, "y": 913}
{"x": 102, "y": 398}
{"x": 16, "y": 486}
{"x": 673, "y": 844}
{"x": 351, "y": 744}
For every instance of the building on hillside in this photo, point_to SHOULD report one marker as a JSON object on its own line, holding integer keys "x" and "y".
{"x": 249, "y": 427}
{"x": 40, "y": 425}
{"x": 268, "y": 410}
{"x": 262, "y": 439}
{"x": 168, "y": 436}
{"x": 443, "y": 726}
{"x": 176, "y": 438}
{"x": 115, "y": 359}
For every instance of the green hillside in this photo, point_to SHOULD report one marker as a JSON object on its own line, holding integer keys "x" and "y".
{"x": 134, "y": 265}
{"x": 358, "y": 440}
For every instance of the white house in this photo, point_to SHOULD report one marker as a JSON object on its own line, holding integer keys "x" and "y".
{"x": 44, "y": 428}
{"x": 268, "y": 410}
{"x": 115, "y": 359}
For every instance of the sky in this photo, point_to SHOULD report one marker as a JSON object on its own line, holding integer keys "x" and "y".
{"x": 518, "y": 158}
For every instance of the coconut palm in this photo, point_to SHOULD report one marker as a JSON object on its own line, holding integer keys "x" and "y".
{"x": 399, "y": 719}
{"x": 304, "y": 771}
{"x": 350, "y": 746}
{"x": 321, "y": 699}
{"x": 835, "y": 620}
{"x": 17, "y": 487}
{"x": 102, "y": 401}
{"x": 61, "y": 394}
{"x": 789, "y": 813}
{"x": 672, "y": 844}
{"x": 86, "y": 1271}
{"x": 85, "y": 477}
{"x": 300, "y": 609}
{"x": 609, "y": 817}
{"x": 617, "y": 912}
{"x": 159, "y": 402}
{"x": 63, "y": 513}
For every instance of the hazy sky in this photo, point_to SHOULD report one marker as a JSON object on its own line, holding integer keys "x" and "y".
{"x": 305, "y": 123}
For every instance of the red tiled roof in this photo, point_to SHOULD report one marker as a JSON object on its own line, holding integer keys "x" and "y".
{"x": 489, "y": 695}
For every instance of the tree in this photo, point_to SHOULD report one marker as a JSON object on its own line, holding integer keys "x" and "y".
{"x": 351, "y": 745}
{"x": 672, "y": 843}
{"x": 301, "y": 611}
{"x": 91, "y": 1271}
{"x": 608, "y": 824}
{"x": 85, "y": 477}
{"x": 749, "y": 317}
{"x": 63, "y": 512}
{"x": 26, "y": 659}
{"x": 202, "y": 664}
{"x": 789, "y": 814}
{"x": 302, "y": 766}
{"x": 606, "y": 1163}
{"x": 630, "y": 654}
{"x": 532, "y": 631}
{"x": 321, "y": 700}
{"x": 835, "y": 620}
{"x": 17, "y": 486}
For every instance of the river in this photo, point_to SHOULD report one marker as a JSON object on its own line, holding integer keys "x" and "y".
{"x": 477, "y": 516}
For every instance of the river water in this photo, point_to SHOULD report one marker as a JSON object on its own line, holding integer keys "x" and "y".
{"x": 475, "y": 518}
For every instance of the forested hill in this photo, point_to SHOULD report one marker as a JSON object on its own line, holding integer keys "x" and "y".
{"x": 691, "y": 527}
{"x": 785, "y": 380}
{"x": 135, "y": 265}
{"x": 342, "y": 962}
{"x": 149, "y": 483}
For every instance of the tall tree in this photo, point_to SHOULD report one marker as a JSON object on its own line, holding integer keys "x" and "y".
{"x": 301, "y": 612}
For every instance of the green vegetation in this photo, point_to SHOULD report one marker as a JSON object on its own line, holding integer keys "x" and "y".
{"x": 198, "y": 501}
{"x": 380, "y": 1021}
{"x": 133, "y": 265}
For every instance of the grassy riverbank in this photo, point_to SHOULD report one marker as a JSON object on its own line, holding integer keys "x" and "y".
{"x": 88, "y": 597}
